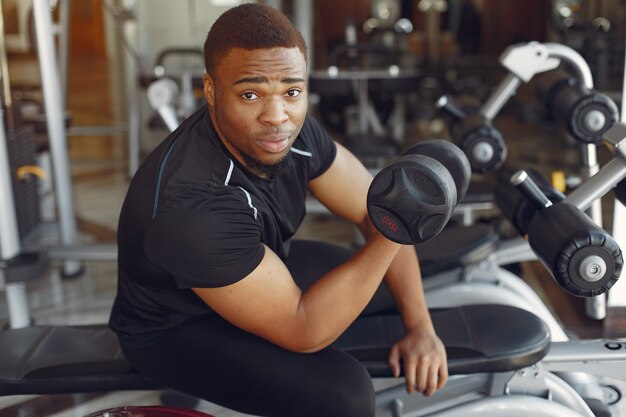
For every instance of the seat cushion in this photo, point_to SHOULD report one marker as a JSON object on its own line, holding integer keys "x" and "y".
{"x": 456, "y": 246}
{"x": 478, "y": 338}
{"x": 64, "y": 359}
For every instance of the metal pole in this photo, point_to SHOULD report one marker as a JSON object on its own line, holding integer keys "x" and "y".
{"x": 277, "y": 4}
{"x": 15, "y": 292}
{"x": 51, "y": 85}
{"x": 566, "y": 53}
{"x": 9, "y": 235}
{"x": 505, "y": 90}
{"x": 303, "y": 20}
{"x": 595, "y": 187}
{"x": 64, "y": 36}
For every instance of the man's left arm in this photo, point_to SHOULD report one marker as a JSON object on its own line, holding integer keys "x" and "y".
{"x": 343, "y": 190}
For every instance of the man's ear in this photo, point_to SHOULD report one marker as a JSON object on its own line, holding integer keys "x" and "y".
{"x": 209, "y": 89}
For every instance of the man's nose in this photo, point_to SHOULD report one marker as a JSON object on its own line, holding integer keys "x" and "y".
{"x": 274, "y": 111}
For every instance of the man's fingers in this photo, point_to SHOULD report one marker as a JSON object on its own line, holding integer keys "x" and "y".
{"x": 394, "y": 361}
{"x": 423, "y": 371}
{"x": 410, "y": 370}
{"x": 430, "y": 377}
{"x": 433, "y": 381}
{"x": 443, "y": 375}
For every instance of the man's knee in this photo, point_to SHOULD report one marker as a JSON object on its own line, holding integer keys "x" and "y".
{"x": 349, "y": 395}
{"x": 356, "y": 399}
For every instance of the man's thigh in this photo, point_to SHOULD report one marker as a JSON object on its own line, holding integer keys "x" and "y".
{"x": 209, "y": 358}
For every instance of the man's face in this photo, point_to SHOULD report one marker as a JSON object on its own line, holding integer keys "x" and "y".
{"x": 258, "y": 103}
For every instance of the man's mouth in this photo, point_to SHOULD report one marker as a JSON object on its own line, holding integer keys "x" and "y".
{"x": 273, "y": 143}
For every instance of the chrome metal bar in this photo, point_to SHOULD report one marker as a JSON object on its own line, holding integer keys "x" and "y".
{"x": 595, "y": 187}
{"x": 51, "y": 85}
{"x": 505, "y": 90}
{"x": 9, "y": 235}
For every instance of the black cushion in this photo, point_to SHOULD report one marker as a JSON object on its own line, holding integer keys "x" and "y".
{"x": 54, "y": 360}
{"x": 478, "y": 338}
{"x": 456, "y": 246}
{"x": 49, "y": 360}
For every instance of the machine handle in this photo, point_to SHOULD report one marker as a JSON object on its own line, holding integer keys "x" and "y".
{"x": 530, "y": 190}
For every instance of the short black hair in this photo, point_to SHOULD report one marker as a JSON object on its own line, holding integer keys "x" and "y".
{"x": 250, "y": 26}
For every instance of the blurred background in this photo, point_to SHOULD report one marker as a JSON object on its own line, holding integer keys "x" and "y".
{"x": 125, "y": 72}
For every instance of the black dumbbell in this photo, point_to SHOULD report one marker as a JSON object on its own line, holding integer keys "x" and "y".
{"x": 451, "y": 156}
{"x": 481, "y": 142}
{"x": 585, "y": 114}
{"x": 412, "y": 199}
{"x": 583, "y": 258}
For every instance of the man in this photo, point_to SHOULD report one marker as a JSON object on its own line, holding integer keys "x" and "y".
{"x": 214, "y": 299}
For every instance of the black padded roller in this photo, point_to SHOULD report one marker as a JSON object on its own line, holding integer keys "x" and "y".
{"x": 583, "y": 258}
{"x": 550, "y": 83}
{"x": 586, "y": 114}
{"x": 514, "y": 206}
{"x": 591, "y": 116}
{"x": 481, "y": 142}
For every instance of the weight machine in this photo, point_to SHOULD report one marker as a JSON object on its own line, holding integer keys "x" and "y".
{"x": 587, "y": 117}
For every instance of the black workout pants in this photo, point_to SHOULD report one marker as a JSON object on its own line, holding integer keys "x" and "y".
{"x": 211, "y": 359}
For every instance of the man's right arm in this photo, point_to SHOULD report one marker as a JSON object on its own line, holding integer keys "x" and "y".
{"x": 270, "y": 305}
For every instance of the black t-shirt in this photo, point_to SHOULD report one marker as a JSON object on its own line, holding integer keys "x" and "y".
{"x": 195, "y": 217}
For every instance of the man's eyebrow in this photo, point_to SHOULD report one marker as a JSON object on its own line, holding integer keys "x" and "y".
{"x": 292, "y": 80}
{"x": 259, "y": 80}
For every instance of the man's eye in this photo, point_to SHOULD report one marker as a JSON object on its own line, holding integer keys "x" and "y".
{"x": 293, "y": 92}
{"x": 249, "y": 96}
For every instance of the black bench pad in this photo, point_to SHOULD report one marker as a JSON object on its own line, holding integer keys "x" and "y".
{"x": 54, "y": 360}
{"x": 478, "y": 338}
{"x": 456, "y": 246}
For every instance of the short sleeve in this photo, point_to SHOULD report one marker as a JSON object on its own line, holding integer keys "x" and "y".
{"x": 319, "y": 144}
{"x": 214, "y": 242}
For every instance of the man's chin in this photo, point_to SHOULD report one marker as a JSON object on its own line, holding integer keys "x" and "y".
{"x": 269, "y": 167}
{"x": 276, "y": 159}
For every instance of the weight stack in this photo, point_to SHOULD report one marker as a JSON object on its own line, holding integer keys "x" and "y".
{"x": 22, "y": 150}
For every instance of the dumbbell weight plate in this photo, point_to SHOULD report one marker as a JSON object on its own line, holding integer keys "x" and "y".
{"x": 451, "y": 156}
{"x": 412, "y": 199}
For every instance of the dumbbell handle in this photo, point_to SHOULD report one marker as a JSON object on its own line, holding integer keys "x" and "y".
{"x": 530, "y": 190}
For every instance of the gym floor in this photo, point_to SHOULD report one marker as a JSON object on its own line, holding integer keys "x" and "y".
{"x": 99, "y": 174}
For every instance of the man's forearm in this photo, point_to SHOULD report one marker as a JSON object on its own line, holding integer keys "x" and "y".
{"x": 328, "y": 307}
{"x": 404, "y": 281}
